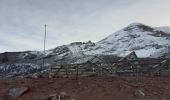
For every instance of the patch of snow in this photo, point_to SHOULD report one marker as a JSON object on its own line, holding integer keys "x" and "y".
{"x": 76, "y": 50}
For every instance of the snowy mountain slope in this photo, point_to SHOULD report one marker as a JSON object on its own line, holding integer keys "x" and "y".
{"x": 144, "y": 40}
{"x": 20, "y": 69}
{"x": 164, "y": 29}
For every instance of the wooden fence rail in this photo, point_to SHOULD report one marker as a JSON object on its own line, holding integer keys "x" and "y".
{"x": 125, "y": 67}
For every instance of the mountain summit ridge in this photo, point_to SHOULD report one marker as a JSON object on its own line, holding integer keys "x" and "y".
{"x": 146, "y": 41}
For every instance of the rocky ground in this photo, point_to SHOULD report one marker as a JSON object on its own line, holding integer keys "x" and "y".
{"x": 91, "y": 88}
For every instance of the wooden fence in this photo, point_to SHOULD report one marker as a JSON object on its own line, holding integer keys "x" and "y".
{"x": 121, "y": 67}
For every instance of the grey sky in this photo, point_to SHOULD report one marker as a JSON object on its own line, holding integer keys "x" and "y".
{"x": 22, "y": 21}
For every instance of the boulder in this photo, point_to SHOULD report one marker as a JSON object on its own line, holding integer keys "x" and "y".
{"x": 17, "y": 91}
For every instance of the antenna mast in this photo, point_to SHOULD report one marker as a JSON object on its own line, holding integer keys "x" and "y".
{"x": 44, "y": 45}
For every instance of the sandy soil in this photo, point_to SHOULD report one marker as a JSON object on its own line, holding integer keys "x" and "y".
{"x": 92, "y": 88}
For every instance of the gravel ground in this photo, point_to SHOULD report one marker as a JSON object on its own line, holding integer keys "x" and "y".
{"x": 92, "y": 88}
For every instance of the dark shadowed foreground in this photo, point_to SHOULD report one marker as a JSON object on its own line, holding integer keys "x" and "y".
{"x": 92, "y": 88}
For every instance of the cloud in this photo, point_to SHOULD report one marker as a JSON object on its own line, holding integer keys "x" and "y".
{"x": 22, "y": 21}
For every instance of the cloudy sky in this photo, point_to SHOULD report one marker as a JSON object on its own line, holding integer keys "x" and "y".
{"x": 22, "y": 21}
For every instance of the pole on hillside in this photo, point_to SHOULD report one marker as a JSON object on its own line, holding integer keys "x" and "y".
{"x": 44, "y": 46}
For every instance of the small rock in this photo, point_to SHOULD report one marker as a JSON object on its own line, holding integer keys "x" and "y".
{"x": 139, "y": 94}
{"x": 53, "y": 97}
{"x": 64, "y": 94}
{"x": 51, "y": 75}
{"x": 51, "y": 82}
{"x": 79, "y": 83}
{"x": 72, "y": 98}
{"x": 35, "y": 76}
{"x": 21, "y": 77}
{"x": 45, "y": 75}
{"x": 17, "y": 91}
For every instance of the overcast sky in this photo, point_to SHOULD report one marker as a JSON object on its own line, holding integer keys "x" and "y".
{"x": 22, "y": 21}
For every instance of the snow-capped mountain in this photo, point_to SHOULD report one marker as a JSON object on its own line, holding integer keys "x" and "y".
{"x": 146, "y": 41}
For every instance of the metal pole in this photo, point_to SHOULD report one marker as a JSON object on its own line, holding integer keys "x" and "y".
{"x": 44, "y": 45}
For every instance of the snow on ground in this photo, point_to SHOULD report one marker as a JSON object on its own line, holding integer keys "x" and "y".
{"x": 19, "y": 69}
{"x": 76, "y": 50}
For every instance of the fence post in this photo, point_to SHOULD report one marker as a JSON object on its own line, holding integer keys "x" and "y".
{"x": 66, "y": 68}
{"x": 77, "y": 72}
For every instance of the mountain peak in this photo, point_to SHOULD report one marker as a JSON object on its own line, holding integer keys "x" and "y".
{"x": 138, "y": 26}
{"x": 146, "y": 41}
